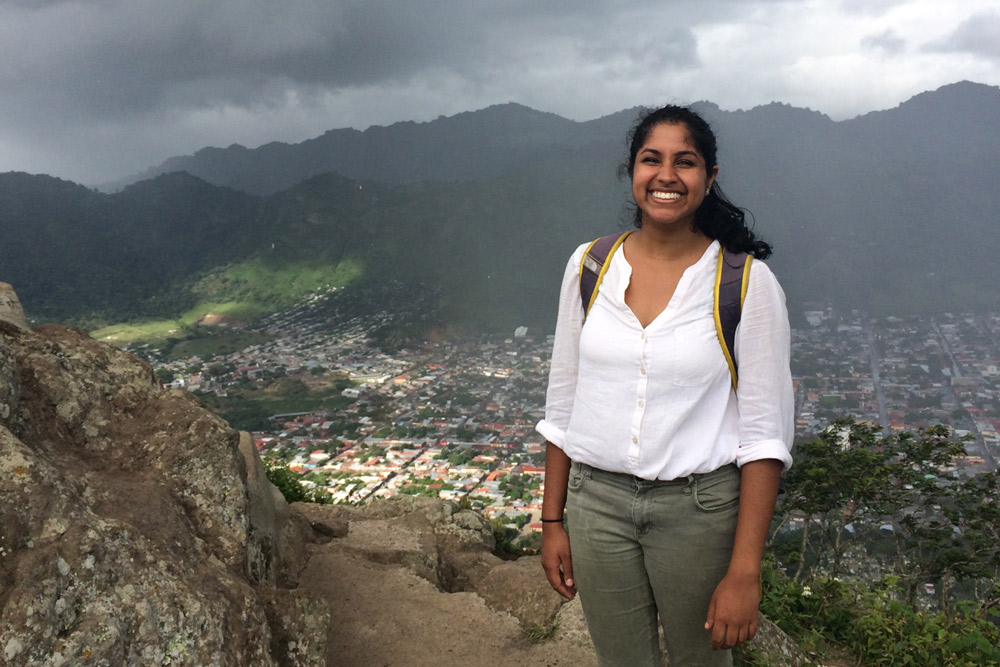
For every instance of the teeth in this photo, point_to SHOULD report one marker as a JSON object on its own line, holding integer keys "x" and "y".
{"x": 666, "y": 195}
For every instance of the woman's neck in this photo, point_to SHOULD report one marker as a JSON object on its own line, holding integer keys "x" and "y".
{"x": 669, "y": 246}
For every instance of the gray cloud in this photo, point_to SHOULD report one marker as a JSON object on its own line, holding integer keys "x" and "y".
{"x": 887, "y": 41}
{"x": 95, "y": 89}
{"x": 978, "y": 35}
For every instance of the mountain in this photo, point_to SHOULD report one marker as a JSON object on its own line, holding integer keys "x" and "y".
{"x": 469, "y": 146}
{"x": 472, "y": 217}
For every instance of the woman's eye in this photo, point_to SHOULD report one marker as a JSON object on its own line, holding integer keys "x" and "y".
{"x": 685, "y": 163}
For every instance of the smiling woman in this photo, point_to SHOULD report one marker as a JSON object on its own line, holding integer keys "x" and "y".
{"x": 666, "y": 467}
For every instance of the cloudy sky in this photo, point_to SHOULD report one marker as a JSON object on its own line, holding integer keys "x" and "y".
{"x": 92, "y": 90}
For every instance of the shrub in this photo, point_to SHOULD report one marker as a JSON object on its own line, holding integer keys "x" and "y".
{"x": 290, "y": 485}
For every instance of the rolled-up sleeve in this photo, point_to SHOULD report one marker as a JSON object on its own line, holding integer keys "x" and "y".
{"x": 765, "y": 396}
{"x": 565, "y": 355}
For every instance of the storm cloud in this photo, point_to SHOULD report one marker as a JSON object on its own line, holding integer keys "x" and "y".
{"x": 97, "y": 89}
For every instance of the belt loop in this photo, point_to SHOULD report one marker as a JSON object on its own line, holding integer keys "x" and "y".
{"x": 691, "y": 479}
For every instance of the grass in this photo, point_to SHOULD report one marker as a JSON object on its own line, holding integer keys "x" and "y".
{"x": 249, "y": 407}
{"x": 224, "y": 343}
{"x": 539, "y": 632}
{"x": 151, "y": 331}
{"x": 241, "y": 292}
{"x": 258, "y": 281}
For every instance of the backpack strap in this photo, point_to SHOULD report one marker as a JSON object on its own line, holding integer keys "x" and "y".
{"x": 594, "y": 265}
{"x": 732, "y": 273}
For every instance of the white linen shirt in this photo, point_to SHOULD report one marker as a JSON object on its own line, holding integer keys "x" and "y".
{"x": 657, "y": 402}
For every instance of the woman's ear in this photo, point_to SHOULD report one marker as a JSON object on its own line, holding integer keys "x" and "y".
{"x": 711, "y": 179}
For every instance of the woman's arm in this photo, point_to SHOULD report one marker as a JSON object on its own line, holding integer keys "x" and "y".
{"x": 732, "y": 614}
{"x": 556, "y": 559}
{"x": 767, "y": 423}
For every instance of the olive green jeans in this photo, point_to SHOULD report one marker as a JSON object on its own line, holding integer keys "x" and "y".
{"x": 645, "y": 549}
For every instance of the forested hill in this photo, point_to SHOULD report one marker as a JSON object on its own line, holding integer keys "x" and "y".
{"x": 476, "y": 214}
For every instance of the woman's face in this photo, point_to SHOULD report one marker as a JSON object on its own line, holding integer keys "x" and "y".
{"x": 669, "y": 177}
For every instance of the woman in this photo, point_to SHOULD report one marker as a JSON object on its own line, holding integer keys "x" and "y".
{"x": 668, "y": 476}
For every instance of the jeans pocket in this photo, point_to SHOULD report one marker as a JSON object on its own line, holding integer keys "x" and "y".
{"x": 575, "y": 477}
{"x": 717, "y": 494}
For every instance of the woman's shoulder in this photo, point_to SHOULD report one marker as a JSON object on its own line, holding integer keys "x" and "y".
{"x": 763, "y": 286}
{"x": 761, "y": 272}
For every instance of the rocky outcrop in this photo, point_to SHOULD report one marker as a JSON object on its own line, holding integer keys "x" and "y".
{"x": 134, "y": 527}
{"x": 10, "y": 307}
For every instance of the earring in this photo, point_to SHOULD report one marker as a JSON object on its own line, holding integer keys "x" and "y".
{"x": 707, "y": 190}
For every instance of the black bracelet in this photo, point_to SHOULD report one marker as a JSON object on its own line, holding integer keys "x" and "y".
{"x": 551, "y": 520}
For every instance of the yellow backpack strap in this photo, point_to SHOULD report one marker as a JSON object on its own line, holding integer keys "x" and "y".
{"x": 732, "y": 273}
{"x": 595, "y": 264}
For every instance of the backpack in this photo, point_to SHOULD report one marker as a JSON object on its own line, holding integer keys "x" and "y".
{"x": 731, "y": 278}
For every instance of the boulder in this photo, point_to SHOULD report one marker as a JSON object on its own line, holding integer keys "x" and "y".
{"x": 10, "y": 307}
{"x": 134, "y": 528}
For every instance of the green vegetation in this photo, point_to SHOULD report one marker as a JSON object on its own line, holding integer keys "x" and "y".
{"x": 260, "y": 282}
{"x": 238, "y": 293}
{"x": 897, "y": 559}
{"x": 217, "y": 344}
{"x": 290, "y": 485}
{"x": 520, "y": 486}
{"x": 248, "y": 407}
{"x": 421, "y": 486}
{"x": 505, "y": 535}
{"x": 875, "y": 625}
{"x": 539, "y": 632}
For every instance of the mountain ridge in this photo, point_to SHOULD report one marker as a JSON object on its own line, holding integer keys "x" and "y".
{"x": 889, "y": 212}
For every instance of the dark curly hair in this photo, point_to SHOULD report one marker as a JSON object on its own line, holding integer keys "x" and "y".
{"x": 717, "y": 217}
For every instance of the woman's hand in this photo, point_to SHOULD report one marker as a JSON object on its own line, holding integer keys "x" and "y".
{"x": 732, "y": 613}
{"x": 556, "y": 559}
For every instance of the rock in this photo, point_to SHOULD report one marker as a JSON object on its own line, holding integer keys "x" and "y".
{"x": 275, "y": 539}
{"x": 773, "y": 647}
{"x": 10, "y": 383}
{"x": 387, "y": 615}
{"x": 520, "y": 588}
{"x": 10, "y": 307}
{"x": 134, "y": 528}
{"x": 326, "y": 525}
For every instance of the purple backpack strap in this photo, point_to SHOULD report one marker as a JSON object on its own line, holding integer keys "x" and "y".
{"x": 594, "y": 265}
{"x": 731, "y": 290}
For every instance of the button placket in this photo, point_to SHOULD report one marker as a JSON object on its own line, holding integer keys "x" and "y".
{"x": 640, "y": 397}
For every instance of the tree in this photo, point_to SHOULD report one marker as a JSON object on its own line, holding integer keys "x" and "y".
{"x": 852, "y": 481}
{"x": 836, "y": 482}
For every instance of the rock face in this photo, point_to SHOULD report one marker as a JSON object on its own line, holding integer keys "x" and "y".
{"x": 10, "y": 307}
{"x": 135, "y": 527}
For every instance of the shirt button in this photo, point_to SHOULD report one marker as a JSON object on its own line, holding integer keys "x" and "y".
{"x": 635, "y": 440}
{"x": 643, "y": 335}
{"x": 641, "y": 403}
{"x": 643, "y": 370}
